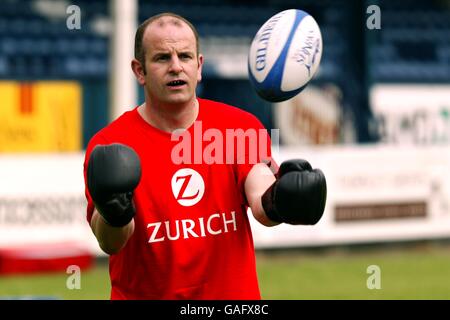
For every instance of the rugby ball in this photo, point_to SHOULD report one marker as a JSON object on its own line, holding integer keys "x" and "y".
{"x": 284, "y": 55}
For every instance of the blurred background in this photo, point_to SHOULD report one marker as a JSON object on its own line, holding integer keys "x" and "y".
{"x": 375, "y": 119}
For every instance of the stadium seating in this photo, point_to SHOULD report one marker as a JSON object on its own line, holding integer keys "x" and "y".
{"x": 413, "y": 44}
{"x": 24, "y": 32}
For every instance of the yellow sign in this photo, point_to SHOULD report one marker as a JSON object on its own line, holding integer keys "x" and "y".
{"x": 42, "y": 116}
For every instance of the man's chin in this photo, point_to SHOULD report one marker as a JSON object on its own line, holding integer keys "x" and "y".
{"x": 177, "y": 99}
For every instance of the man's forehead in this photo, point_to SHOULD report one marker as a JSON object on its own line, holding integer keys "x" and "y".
{"x": 167, "y": 45}
{"x": 169, "y": 25}
{"x": 164, "y": 20}
{"x": 172, "y": 31}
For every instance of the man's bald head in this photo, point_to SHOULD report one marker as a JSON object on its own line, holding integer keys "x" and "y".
{"x": 160, "y": 19}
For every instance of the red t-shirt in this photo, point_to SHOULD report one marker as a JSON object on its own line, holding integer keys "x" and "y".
{"x": 192, "y": 237}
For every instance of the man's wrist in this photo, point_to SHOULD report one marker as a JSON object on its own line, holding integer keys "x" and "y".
{"x": 268, "y": 204}
{"x": 118, "y": 211}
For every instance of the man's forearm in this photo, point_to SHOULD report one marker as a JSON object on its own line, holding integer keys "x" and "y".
{"x": 258, "y": 180}
{"x": 111, "y": 239}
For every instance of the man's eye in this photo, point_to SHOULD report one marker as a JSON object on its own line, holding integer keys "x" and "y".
{"x": 185, "y": 56}
{"x": 162, "y": 58}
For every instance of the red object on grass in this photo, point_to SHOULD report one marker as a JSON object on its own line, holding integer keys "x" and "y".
{"x": 44, "y": 258}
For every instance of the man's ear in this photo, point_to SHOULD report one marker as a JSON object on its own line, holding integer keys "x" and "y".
{"x": 138, "y": 70}
{"x": 200, "y": 65}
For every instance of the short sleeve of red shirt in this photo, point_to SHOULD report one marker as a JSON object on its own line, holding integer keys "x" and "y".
{"x": 96, "y": 140}
{"x": 262, "y": 148}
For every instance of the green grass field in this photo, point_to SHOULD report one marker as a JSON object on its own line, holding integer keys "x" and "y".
{"x": 418, "y": 273}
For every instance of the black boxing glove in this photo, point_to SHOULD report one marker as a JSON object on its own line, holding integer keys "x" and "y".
{"x": 113, "y": 173}
{"x": 298, "y": 196}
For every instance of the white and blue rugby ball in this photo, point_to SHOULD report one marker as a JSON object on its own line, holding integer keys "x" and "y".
{"x": 284, "y": 55}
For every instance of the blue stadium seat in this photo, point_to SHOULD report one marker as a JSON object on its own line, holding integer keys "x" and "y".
{"x": 9, "y": 46}
{"x": 4, "y": 23}
{"x": 36, "y": 26}
{"x": 65, "y": 45}
{"x": 95, "y": 66}
{"x": 44, "y": 46}
{"x": 98, "y": 46}
{"x": 18, "y": 26}
{"x": 18, "y": 66}
{"x": 78, "y": 45}
{"x": 36, "y": 66}
{"x": 4, "y": 66}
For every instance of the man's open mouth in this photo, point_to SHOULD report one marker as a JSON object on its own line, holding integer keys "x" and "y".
{"x": 176, "y": 83}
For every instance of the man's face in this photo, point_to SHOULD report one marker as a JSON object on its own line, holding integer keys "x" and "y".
{"x": 173, "y": 68}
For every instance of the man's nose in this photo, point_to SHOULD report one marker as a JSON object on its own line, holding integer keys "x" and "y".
{"x": 175, "y": 65}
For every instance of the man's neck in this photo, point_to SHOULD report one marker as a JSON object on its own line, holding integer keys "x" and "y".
{"x": 168, "y": 118}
